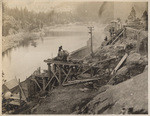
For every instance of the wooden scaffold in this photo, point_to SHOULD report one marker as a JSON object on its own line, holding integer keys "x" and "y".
{"x": 67, "y": 73}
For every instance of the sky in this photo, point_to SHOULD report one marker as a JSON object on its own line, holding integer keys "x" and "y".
{"x": 36, "y": 5}
{"x": 121, "y": 9}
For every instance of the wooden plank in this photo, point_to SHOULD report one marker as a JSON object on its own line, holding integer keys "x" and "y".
{"x": 80, "y": 81}
{"x": 119, "y": 64}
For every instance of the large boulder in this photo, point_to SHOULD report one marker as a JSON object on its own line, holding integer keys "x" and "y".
{"x": 121, "y": 75}
{"x": 143, "y": 46}
{"x": 129, "y": 97}
{"x": 133, "y": 58}
{"x": 136, "y": 63}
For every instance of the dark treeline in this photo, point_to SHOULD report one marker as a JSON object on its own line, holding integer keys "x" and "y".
{"x": 21, "y": 19}
{"x": 15, "y": 19}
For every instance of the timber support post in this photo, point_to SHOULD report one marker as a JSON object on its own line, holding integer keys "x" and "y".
{"x": 60, "y": 78}
{"x": 44, "y": 84}
{"x": 20, "y": 94}
{"x": 49, "y": 70}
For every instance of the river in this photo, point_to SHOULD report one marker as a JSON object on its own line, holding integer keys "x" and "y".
{"x": 21, "y": 61}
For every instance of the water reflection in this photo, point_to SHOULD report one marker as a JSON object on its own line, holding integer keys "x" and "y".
{"x": 33, "y": 43}
{"x": 63, "y": 33}
{"x": 22, "y": 60}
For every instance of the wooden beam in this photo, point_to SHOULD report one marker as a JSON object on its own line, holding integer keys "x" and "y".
{"x": 119, "y": 64}
{"x": 36, "y": 83}
{"x": 91, "y": 72}
{"x": 117, "y": 37}
{"x": 49, "y": 70}
{"x": 64, "y": 71}
{"x": 55, "y": 76}
{"x": 44, "y": 83}
{"x": 67, "y": 75}
{"x": 19, "y": 93}
{"x": 84, "y": 71}
{"x": 61, "y": 62}
{"x": 59, "y": 70}
{"x": 22, "y": 90}
{"x": 80, "y": 81}
{"x": 49, "y": 82}
{"x": 105, "y": 60}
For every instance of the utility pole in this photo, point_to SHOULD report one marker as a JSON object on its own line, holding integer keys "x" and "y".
{"x": 91, "y": 38}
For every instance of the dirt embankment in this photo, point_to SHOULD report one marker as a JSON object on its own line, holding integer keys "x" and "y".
{"x": 65, "y": 100}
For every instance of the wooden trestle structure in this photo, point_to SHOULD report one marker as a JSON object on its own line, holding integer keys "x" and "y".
{"x": 64, "y": 73}
{"x": 68, "y": 73}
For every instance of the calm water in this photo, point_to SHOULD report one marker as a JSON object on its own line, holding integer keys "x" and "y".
{"x": 24, "y": 59}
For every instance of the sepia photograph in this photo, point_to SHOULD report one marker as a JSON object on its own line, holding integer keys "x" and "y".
{"x": 74, "y": 57}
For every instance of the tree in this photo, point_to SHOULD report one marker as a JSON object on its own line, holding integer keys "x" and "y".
{"x": 132, "y": 15}
{"x": 145, "y": 20}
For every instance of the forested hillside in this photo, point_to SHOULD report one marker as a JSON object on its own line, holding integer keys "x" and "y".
{"x": 15, "y": 20}
{"x": 21, "y": 19}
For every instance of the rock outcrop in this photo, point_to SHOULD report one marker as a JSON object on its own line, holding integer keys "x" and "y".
{"x": 129, "y": 97}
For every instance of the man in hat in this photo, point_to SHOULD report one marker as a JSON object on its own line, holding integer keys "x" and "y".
{"x": 62, "y": 54}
